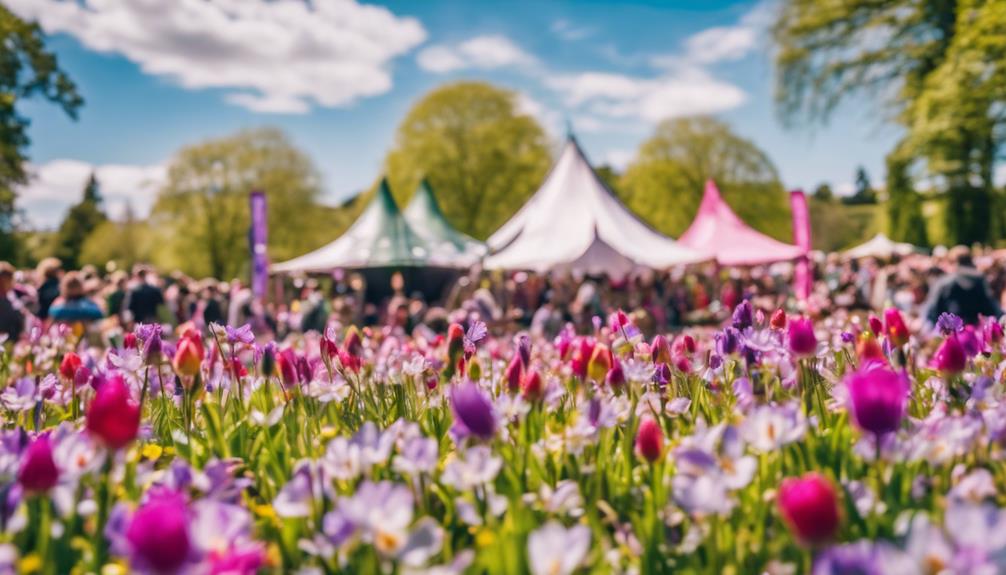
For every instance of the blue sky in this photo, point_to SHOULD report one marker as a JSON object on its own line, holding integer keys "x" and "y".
{"x": 339, "y": 75}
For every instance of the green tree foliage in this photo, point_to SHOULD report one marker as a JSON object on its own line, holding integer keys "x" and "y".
{"x": 482, "y": 156}
{"x": 80, "y": 221}
{"x": 665, "y": 183}
{"x": 609, "y": 176}
{"x": 865, "y": 194}
{"x": 27, "y": 70}
{"x": 204, "y": 202}
{"x": 126, "y": 242}
{"x": 905, "y": 222}
{"x": 824, "y": 193}
{"x": 937, "y": 66}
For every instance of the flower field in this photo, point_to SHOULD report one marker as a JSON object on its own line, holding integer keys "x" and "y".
{"x": 776, "y": 444}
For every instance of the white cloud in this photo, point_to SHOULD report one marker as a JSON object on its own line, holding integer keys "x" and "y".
{"x": 686, "y": 92}
{"x": 58, "y": 184}
{"x": 547, "y": 117}
{"x": 481, "y": 52}
{"x": 721, "y": 43}
{"x": 279, "y": 56}
{"x": 568, "y": 31}
{"x": 619, "y": 158}
{"x": 845, "y": 189}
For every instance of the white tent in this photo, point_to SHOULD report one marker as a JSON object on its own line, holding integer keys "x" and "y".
{"x": 574, "y": 222}
{"x": 880, "y": 246}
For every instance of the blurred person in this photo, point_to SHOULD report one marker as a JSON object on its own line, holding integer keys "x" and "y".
{"x": 115, "y": 300}
{"x": 11, "y": 316}
{"x": 73, "y": 305}
{"x": 145, "y": 299}
{"x": 962, "y": 292}
{"x": 47, "y": 274}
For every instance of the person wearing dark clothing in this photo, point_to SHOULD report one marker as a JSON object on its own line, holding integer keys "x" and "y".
{"x": 145, "y": 300}
{"x": 49, "y": 272}
{"x": 964, "y": 293}
{"x": 11, "y": 318}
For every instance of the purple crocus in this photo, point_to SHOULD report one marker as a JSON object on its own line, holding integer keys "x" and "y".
{"x": 241, "y": 334}
{"x": 473, "y": 411}
{"x": 949, "y": 323}
{"x": 743, "y": 316}
{"x": 877, "y": 399}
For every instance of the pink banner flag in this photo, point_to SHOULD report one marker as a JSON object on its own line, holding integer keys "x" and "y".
{"x": 802, "y": 278}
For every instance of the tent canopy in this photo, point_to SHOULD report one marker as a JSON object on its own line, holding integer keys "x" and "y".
{"x": 380, "y": 237}
{"x": 880, "y": 246}
{"x": 718, "y": 232}
{"x": 424, "y": 216}
{"x": 574, "y": 222}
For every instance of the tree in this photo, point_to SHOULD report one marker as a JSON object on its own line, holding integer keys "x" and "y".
{"x": 609, "y": 176}
{"x": 482, "y": 156}
{"x": 665, "y": 183}
{"x": 127, "y": 242}
{"x": 937, "y": 66}
{"x": 823, "y": 193}
{"x": 27, "y": 70}
{"x": 80, "y": 221}
{"x": 905, "y": 222}
{"x": 204, "y": 202}
{"x": 864, "y": 194}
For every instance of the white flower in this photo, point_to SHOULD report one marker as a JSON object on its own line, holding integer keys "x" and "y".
{"x": 476, "y": 466}
{"x": 555, "y": 550}
{"x": 768, "y": 428}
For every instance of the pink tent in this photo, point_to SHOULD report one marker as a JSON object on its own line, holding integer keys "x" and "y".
{"x": 719, "y": 233}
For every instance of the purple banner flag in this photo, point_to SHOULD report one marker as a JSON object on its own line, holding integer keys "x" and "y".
{"x": 802, "y": 279}
{"x": 258, "y": 237}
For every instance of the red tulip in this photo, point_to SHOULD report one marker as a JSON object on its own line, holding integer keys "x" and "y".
{"x": 875, "y": 325}
{"x": 129, "y": 341}
{"x": 809, "y": 506}
{"x": 649, "y": 440}
{"x": 38, "y": 472}
{"x": 69, "y": 366}
{"x": 531, "y": 387}
{"x": 660, "y": 349}
{"x": 778, "y": 320}
{"x": 513, "y": 374}
{"x": 581, "y": 356}
{"x": 600, "y": 362}
{"x": 895, "y": 326}
{"x": 189, "y": 354}
{"x": 868, "y": 348}
{"x": 113, "y": 417}
{"x": 286, "y": 363}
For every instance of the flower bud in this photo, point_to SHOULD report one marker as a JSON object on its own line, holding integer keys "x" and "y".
{"x": 802, "y": 341}
{"x": 113, "y": 417}
{"x": 513, "y": 374}
{"x": 809, "y": 506}
{"x": 38, "y": 472}
{"x": 531, "y": 386}
{"x": 649, "y": 440}
{"x": 69, "y": 366}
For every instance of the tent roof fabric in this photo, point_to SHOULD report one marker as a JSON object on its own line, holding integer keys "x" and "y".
{"x": 574, "y": 222}
{"x": 879, "y": 246}
{"x": 718, "y": 232}
{"x": 426, "y": 219}
{"x": 380, "y": 237}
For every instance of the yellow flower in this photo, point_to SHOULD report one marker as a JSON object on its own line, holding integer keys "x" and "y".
{"x": 264, "y": 510}
{"x": 485, "y": 538}
{"x": 152, "y": 451}
{"x": 30, "y": 563}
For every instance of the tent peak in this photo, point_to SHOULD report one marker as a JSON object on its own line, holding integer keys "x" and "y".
{"x": 385, "y": 197}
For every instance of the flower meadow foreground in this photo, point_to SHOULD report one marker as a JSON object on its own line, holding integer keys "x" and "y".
{"x": 775, "y": 445}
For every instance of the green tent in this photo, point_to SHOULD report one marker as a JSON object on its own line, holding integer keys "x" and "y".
{"x": 379, "y": 238}
{"x": 449, "y": 247}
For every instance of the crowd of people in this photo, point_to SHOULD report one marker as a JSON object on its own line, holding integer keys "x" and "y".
{"x": 967, "y": 282}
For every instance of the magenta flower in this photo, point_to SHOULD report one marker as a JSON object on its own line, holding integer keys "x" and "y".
{"x": 809, "y": 506}
{"x": 158, "y": 533}
{"x": 877, "y": 399}
{"x": 802, "y": 341}
{"x": 38, "y": 472}
{"x": 950, "y": 358}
